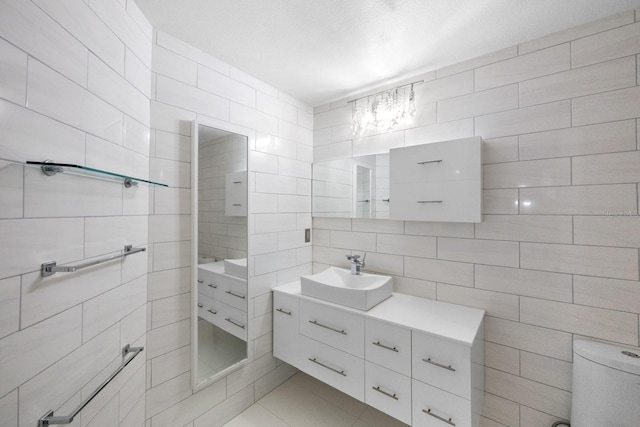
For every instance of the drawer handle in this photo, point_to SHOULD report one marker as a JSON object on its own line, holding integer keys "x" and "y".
{"x": 235, "y": 295}
{"x": 239, "y": 325}
{"x": 430, "y": 161}
{"x": 211, "y": 285}
{"x": 448, "y": 421}
{"x": 200, "y": 305}
{"x": 340, "y": 331}
{"x": 328, "y": 367}
{"x": 237, "y": 204}
{"x": 385, "y": 346}
{"x": 379, "y": 390}
{"x": 237, "y": 182}
{"x": 439, "y": 365}
{"x": 200, "y": 281}
{"x": 429, "y": 201}
{"x": 211, "y": 311}
{"x": 288, "y": 313}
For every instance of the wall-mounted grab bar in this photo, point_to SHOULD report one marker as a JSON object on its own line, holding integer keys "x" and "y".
{"x": 50, "y": 268}
{"x": 49, "y": 419}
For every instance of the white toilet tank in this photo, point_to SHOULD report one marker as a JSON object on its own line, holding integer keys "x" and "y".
{"x": 606, "y": 385}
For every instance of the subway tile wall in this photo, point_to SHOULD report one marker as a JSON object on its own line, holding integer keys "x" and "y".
{"x": 74, "y": 88}
{"x": 555, "y": 257}
{"x": 188, "y": 84}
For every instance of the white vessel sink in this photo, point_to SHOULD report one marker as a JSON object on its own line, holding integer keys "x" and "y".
{"x": 339, "y": 286}
{"x": 236, "y": 267}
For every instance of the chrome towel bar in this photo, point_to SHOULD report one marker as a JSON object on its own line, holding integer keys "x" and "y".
{"x": 50, "y": 268}
{"x": 49, "y": 419}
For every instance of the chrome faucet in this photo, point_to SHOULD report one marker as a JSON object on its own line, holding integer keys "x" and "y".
{"x": 356, "y": 264}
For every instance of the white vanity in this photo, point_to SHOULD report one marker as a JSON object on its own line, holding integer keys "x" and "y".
{"x": 418, "y": 360}
{"x": 222, "y": 297}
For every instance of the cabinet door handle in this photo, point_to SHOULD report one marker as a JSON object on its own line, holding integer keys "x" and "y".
{"x": 430, "y": 161}
{"x": 211, "y": 285}
{"x": 379, "y": 390}
{"x": 340, "y": 331}
{"x": 239, "y": 325}
{"x": 439, "y": 365}
{"x": 327, "y": 367}
{"x": 235, "y": 295}
{"x": 429, "y": 201}
{"x": 211, "y": 311}
{"x": 200, "y": 281}
{"x": 443, "y": 419}
{"x": 379, "y": 344}
{"x": 288, "y": 313}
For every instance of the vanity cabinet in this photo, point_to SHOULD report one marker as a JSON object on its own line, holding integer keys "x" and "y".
{"x": 222, "y": 299}
{"x": 418, "y": 360}
{"x": 441, "y": 181}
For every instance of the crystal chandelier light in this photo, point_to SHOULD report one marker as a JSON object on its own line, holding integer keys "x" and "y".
{"x": 384, "y": 110}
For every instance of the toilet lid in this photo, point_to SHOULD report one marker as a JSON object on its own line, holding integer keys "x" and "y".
{"x": 609, "y": 355}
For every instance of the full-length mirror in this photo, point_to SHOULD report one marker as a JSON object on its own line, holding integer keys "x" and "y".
{"x": 357, "y": 187}
{"x": 219, "y": 252}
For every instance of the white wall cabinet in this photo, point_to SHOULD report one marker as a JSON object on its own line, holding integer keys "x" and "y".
{"x": 418, "y": 360}
{"x": 441, "y": 181}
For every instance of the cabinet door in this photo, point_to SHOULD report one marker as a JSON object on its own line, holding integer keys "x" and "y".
{"x": 452, "y": 201}
{"x": 338, "y": 369}
{"x": 388, "y": 391}
{"x": 285, "y": 327}
{"x": 438, "y": 161}
{"x": 339, "y": 329}
{"x": 388, "y": 345}
{"x": 442, "y": 363}
{"x": 433, "y": 407}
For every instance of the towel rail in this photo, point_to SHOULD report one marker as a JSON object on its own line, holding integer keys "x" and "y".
{"x": 49, "y": 419}
{"x": 50, "y": 268}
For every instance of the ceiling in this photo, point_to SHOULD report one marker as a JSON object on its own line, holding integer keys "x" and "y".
{"x": 323, "y": 50}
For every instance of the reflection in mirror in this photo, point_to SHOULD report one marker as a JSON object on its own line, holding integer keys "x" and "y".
{"x": 219, "y": 209}
{"x": 357, "y": 187}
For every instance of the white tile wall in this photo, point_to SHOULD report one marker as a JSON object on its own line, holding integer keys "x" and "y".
{"x": 83, "y": 100}
{"x": 190, "y": 84}
{"x": 556, "y": 254}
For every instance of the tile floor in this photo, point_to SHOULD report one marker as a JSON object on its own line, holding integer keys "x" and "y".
{"x": 303, "y": 401}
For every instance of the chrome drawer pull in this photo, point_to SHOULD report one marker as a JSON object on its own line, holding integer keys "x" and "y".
{"x": 237, "y": 204}
{"x": 385, "y": 346}
{"x": 448, "y": 421}
{"x": 328, "y": 367}
{"x": 200, "y": 305}
{"x": 239, "y": 325}
{"x": 430, "y": 161}
{"x": 235, "y": 295}
{"x": 211, "y": 285}
{"x": 288, "y": 313}
{"x": 429, "y": 201}
{"x": 237, "y": 182}
{"x": 211, "y": 311}
{"x": 378, "y": 389}
{"x": 200, "y": 281}
{"x": 340, "y": 331}
{"x": 439, "y": 365}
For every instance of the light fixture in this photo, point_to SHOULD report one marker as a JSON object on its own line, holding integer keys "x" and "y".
{"x": 385, "y": 109}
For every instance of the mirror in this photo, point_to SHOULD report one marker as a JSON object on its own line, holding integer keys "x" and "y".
{"x": 219, "y": 252}
{"x": 356, "y": 187}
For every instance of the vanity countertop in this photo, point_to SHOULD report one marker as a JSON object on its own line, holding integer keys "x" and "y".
{"x": 451, "y": 321}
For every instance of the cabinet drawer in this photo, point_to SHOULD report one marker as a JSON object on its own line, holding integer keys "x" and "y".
{"x": 433, "y": 407}
{"x": 388, "y": 345}
{"x": 285, "y": 327}
{"x": 208, "y": 308}
{"x": 441, "y": 161}
{"x": 232, "y": 320}
{"x": 334, "y": 367}
{"x": 233, "y": 292}
{"x": 442, "y": 363}
{"x": 388, "y": 391}
{"x": 339, "y": 329}
{"x": 451, "y": 201}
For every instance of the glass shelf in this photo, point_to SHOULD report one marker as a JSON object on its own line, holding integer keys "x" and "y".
{"x": 53, "y": 168}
